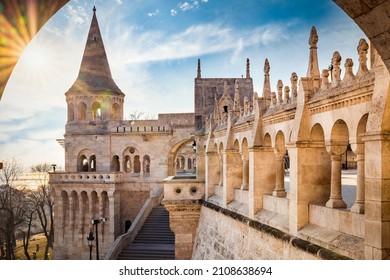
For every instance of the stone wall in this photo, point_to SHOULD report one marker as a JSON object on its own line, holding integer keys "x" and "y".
{"x": 131, "y": 201}
{"x": 223, "y": 234}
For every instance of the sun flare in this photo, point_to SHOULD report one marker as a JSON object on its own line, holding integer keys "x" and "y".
{"x": 37, "y": 62}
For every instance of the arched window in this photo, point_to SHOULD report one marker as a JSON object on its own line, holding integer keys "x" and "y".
{"x": 146, "y": 164}
{"x": 189, "y": 164}
{"x": 82, "y": 111}
{"x": 96, "y": 111}
{"x": 82, "y": 164}
{"x": 70, "y": 112}
{"x": 137, "y": 165}
{"x": 92, "y": 163}
{"x": 115, "y": 113}
{"x": 127, "y": 164}
{"x": 115, "y": 164}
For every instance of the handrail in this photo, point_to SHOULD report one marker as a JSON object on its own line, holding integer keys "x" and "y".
{"x": 123, "y": 240}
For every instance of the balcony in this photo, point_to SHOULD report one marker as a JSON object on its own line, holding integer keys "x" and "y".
{"x": 85, "y": 177}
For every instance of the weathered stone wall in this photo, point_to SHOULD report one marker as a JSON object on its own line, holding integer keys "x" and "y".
{"x": 223, "y": 234}
{"x": 131, "y": 201}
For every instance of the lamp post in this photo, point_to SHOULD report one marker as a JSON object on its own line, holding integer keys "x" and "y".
{"x": 95, "y": 222}
{"x": 90, "y": 239}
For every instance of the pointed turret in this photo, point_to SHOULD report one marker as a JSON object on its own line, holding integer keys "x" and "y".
{"x": 94, "y": 95}
{"x": 95, "y": 73}
{"x": 313, "y": 70}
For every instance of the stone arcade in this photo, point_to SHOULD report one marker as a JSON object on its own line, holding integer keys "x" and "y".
{"x": 237, "y": 206}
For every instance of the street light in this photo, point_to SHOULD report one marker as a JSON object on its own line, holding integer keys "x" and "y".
{"x": 90, "y": 239}
{"x": 95, "y": 222}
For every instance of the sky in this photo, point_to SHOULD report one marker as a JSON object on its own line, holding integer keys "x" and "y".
{"x": 153, "y": 47}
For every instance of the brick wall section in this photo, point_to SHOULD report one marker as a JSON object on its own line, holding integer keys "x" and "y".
{"x": 223, "y": 234}
{"x": 131, "y": 203}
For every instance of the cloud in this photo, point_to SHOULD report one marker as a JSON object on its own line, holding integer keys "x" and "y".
{"x": 185, "y": 6}
{"x": 77, "y": 15}
{"x": 155, "y": 13}
{"x": 119, "y": 2}
{"x": 194, "y": 41}
{"x": 173, "y": 12}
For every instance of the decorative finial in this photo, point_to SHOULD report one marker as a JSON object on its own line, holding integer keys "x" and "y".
{"x": 336, "y": 71}
{"x": 313, "y": 40}
{"x": 248, "y": 71}
{"x": 362, "y": 51}
{"x": 267, "y": 68}
{"x": 199, "y": 71}
{"x": 94, "y": 9}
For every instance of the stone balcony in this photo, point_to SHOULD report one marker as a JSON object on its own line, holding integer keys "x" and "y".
{"x": 179, "y": 189}
{"x": 85, "y": 177}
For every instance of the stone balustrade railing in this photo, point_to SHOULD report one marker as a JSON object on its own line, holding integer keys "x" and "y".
{"x": 182, "y": 188}
{"x": 85, "y": 177}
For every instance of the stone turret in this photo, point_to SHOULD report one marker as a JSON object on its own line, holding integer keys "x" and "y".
{"x": 94, "y": 96}
{"x": 267, "y": 84}
{"x": 313, "y": 69}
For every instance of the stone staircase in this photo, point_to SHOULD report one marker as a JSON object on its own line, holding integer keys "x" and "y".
{"x": 155, "y": 240}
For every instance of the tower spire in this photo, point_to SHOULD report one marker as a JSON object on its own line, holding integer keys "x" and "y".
{"x": 199, "y": 71}
{"x": 248, "y": 71}
{"x": 95, "y": 74}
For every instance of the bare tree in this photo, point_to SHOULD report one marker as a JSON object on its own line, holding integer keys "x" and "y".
{"x": 44, "y": 203}
{"x": 135, "y": 115}
{"x": 12, "y": 206}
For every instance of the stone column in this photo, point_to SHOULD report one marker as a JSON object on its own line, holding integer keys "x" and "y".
{"x": 200, "y": 162}
{"x": 81, "y": 229}
{"x": 183, "y": 221}
{"x": 185, "y": 167}
{"x": 212, "y": 175}
{"x": 73, "y": 214}
{"x": 232, "y": 175}
{"x": 279, "y": 187}
{"x": 220, "y": 169}
{"x": 377, "y": 196}
{"x": 336, "y": 200}
{"x": 358, "y": 207}
{"x": 261, "y": 177}
{"x": 245, "y": 172}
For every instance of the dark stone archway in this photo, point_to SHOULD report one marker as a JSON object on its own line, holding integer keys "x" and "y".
{"x": 373, "y": 18}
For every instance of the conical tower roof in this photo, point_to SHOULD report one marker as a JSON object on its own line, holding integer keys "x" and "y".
{"x": 95, "y": 74}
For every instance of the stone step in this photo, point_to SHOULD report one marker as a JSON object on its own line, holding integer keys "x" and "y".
{"x": 154, "y": 241}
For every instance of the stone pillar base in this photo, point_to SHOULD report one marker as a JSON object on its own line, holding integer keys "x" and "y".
{"x": 183, "y": 221}
{"x": 336, "y": 203}
{"x": 358, "y": 207}
{"x": 279, "y": 193}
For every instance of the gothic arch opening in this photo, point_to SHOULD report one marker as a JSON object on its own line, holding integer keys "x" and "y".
{"x": 92, "y": 163}
{"x": 115, "y": 112}
{"x": 82, "y": 164}
{"x": 96, "y": 111}
{"x": 137, "y": 164}
{"x": 317, "y": 177}
{"x": 70, "y": 112}
{"x": 82, "y": 111}
{"x": 146, "y": 165}
{"x": 115, "y": 166}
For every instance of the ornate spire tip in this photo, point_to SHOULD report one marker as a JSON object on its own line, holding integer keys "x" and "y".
{"x": 94, "y": 9}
